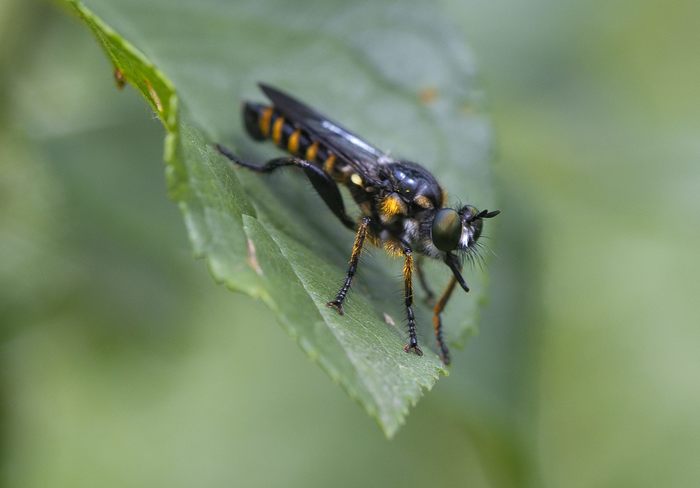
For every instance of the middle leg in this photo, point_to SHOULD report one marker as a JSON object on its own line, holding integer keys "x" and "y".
{"x": 408, "y": 301}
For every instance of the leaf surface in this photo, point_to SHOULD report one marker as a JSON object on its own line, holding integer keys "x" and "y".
{"x": 397, "y": 74}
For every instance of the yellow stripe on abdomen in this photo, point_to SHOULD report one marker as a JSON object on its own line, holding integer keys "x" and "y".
{"x": 264, "y": 122}
{"x": 277, "y": 130}
{"x": 329, "y": 164}
{"x": 293, "y": 143}
{"x": 311, "y": 152}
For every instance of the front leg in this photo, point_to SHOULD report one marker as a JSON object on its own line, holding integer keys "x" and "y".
{"x": 453, "y": 263}
{"x": 437, "y": 320}
{"x": 408, "y": 301}
{"x": 352, "y": 267}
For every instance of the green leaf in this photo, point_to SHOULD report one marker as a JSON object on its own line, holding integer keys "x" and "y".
{"x": 397, "y": 73}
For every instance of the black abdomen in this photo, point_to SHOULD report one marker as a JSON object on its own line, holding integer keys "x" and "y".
{"x": 264, "y": 122}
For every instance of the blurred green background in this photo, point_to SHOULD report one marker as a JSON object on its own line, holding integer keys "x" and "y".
{"x": 585, "y": 372}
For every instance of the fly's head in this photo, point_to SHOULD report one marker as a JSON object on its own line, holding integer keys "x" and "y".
{"x": 459, "y": 230}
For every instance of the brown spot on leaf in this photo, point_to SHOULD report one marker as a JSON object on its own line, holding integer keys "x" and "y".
{"x": 253, "y": 258}
{"x": 119, "y": 78}
{"x": 154, "y": 96}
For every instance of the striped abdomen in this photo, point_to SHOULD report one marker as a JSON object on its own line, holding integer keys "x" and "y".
{"x": 264, "y": 122}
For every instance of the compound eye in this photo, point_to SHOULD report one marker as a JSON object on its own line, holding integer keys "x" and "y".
{"x": 447, "y": 229}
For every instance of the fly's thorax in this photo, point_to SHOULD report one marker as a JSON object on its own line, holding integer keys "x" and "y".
{"x": 415, "y": 185}
{"x": 421, "y": 235}
{"x": 391, "y": 207}
{"x": 412, "y": 231}
{"x": 395, "y": 237}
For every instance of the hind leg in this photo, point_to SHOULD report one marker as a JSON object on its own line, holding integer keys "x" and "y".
{"x": 322, "y": 183}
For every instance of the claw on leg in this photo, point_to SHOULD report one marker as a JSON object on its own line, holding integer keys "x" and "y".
{"x": 337, "y": 305}
{"x": 413, "y": 348}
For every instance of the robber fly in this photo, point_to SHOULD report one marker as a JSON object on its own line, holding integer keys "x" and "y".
{"x": 403, "y": 207}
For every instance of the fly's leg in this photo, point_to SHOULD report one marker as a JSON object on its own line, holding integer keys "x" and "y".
{"x": 437, "y": 321}
{"x": 453, "y": 263}
{"x": 352, "y": 267}
{"x": 412, "y": 345}
{"x": 429, "y": 295}
{"x": 320, "y": 180}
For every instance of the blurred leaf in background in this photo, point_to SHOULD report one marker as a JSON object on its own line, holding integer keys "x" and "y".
{"x": 595, "y": 106}
{"x": 121, "y": 364}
